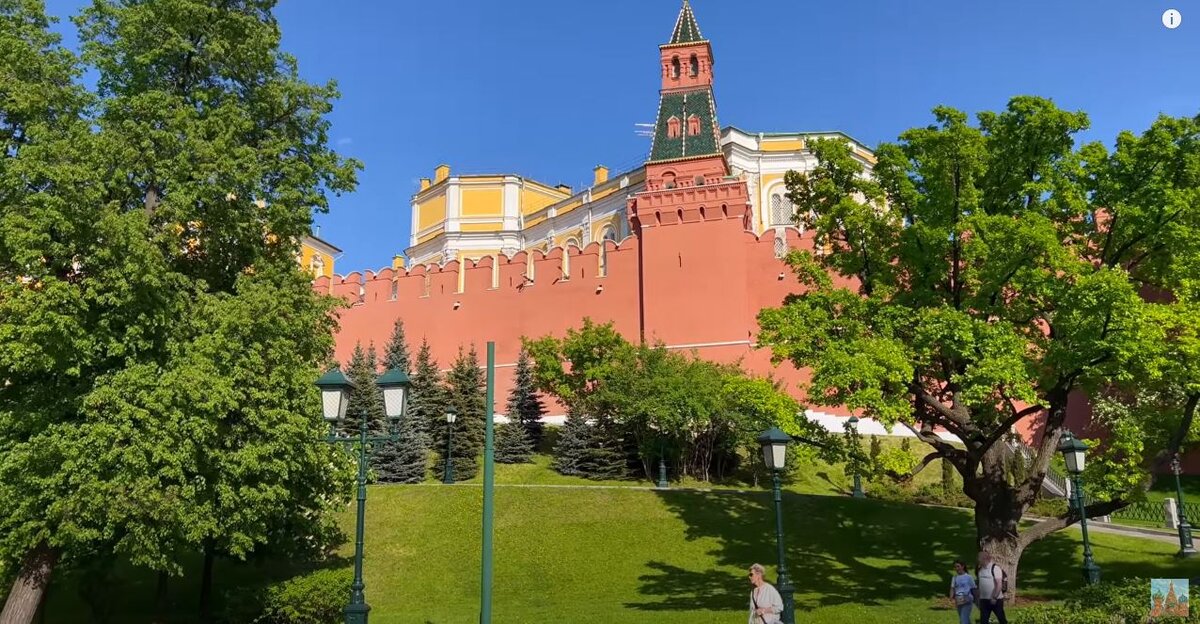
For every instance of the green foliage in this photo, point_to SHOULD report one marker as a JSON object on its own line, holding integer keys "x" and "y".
{"x": 466, "y": 393}
{"x": 405, "y": 459}
{"x": 395, "y": 355}
{"x": 513, "y": 444}
{"x": 948, "y": 484}
{"x": 314, "y": 598}
{"x": 991, "y": 267}
{"x": 703, "y": 416}
{"x": 427, "y": 396}
{"x": 158, "y": 342}
{"x": 573, "y": 442}
{"x": 524, "y": 405}
{"x": 366, "y": 399}
{"x": 897, "y": 460}
{"x": 1126, "y": 601}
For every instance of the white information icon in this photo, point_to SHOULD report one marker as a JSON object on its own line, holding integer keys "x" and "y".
{"x": 1171, "y": 18}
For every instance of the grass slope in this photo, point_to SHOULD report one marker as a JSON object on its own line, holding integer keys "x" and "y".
{"x": 625, "y": 556}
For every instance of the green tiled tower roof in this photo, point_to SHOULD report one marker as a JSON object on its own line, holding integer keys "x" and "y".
{"x": 686, "y": 28}
{"x": 682, "y": 106}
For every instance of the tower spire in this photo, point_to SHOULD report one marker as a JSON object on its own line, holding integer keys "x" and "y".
{"x": 686, "y": 28}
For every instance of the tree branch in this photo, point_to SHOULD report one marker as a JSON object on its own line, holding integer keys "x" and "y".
{"x": 945, "y": 449}
{"x": 1050, "y": 525}
{"x": 905, "y": 478}
{"x": 1008, "y": 423}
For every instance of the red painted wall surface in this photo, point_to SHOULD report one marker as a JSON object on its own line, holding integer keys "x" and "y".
{"x": 706, "y": 282}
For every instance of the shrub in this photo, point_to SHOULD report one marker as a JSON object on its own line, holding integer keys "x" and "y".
{"x": 1126, "y": 601}
{"x": 1048, "y": 507}
{"x": 314, "y": 598}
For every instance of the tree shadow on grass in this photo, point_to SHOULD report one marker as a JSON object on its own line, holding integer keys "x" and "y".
{"x": 846, "y": 551}
{"x": 130, "y": 590}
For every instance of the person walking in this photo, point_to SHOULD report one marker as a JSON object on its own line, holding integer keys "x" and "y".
{"x": 992, "y": 583}
{"x": 962, "y": 591}
{"x": 766, "y": 605}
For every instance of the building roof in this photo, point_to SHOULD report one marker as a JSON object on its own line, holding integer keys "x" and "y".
{"x": 682, "y": 106}
{"x": 316, "y": 242}
{"x": 686, "y": 28}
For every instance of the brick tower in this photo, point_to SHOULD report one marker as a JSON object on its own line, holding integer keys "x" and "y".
{"x": 690, "y": 206}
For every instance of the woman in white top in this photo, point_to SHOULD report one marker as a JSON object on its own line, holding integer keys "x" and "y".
{"x": 766, "y": 605}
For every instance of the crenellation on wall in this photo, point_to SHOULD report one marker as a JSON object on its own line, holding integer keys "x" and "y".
{"x": 490, "y": 273}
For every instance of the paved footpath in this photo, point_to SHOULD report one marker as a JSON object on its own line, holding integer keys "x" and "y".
{"x": 1093, "y": 525}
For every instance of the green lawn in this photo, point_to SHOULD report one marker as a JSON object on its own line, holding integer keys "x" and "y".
{"x": 626, "y": 555}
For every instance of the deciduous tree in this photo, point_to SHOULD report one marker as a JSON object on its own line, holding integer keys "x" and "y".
{"x": 985, "y": 274}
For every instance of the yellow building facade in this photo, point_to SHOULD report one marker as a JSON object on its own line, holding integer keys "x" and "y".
{"x": 471, "y": 216}
{"x": 318, "y": 256}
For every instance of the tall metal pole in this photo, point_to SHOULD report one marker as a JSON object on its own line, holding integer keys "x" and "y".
{"x": 786, "y": 591}
{"x": 489, "y": 487}
{"x": 356, "y": 612}
{"x": 1186, "y": 549}
{"x": 1091, "y": 572}
{"x": 448, "y": 474}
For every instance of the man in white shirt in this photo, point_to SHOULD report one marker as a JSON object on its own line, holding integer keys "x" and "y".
{"x": 991, "y": 590}
{"x": 766, "y": 605}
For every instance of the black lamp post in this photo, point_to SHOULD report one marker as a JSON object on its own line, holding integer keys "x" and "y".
{"x": 1186, "y": 549}
{"x": 774, "y": 448}
{"x": 448, "y": 474}
{"x": 335, "y": 399}
{"x": 1074, "y": 451}
{"x": 852, "y": 423}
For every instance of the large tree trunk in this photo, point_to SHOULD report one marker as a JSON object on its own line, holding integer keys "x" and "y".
{"x": 160, "y": 598}
{"x": 997, "y": 533}
{"x": 998, "y": 516}
{"x": 30, "y": 586}
{"x": 206, "y": 582}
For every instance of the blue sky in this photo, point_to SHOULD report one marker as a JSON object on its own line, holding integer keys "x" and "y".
{"x": 550, "y": 88}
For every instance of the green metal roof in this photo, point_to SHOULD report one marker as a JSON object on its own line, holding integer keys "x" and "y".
{"x": 686, "y": 28}
{"x": 682, "y": 106}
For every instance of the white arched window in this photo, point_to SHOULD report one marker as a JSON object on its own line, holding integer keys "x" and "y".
{"x": 781, "y": 246}
{"x": 782, "y": 212}
{"x": 607, "y": 234}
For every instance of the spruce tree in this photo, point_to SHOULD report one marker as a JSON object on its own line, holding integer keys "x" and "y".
{"x": 365, "y": 395}
{"x": 465, "y": 392}
{"x": 404, "y": 459}
{"x": 571, "y": 449}
{"x": 606, "y": 457}
{"x": 524, "y": 404}
{"x": 513, "y": 444}
{"x": 395, "y": 355}
{"x": 427, "y": 397}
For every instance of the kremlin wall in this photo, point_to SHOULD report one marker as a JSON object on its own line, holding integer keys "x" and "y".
{"x": 702, "y": 293}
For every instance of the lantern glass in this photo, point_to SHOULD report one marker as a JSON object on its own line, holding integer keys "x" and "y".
{"x": 394, "y": 400}
{"x": 774, "y": 455}
{"x": 335, "y": 395}
{"x": 451, "y": 416}
{"x": 774, "y": 448}
{"x": 334, "y": 402}
{"x": 394, "y": 383}
{"x": 1074, "y": 451}
{"x": 1075, "y": 461}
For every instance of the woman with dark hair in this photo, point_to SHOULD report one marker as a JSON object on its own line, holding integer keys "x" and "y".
{"x": 962, "y": 591}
